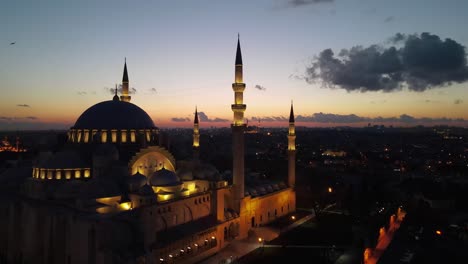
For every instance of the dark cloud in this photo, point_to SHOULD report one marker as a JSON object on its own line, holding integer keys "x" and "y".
{"x": 6, "y": 118}
{"x": 12, "y": 118}
{"x": 389, "y": 19}
{"x": 153, "y": 90}
{"x": 296, "y": 3}
{"x": 180, "y": 119}
{"x": 131, "y": 90}
{"x": 81, "y": 93}
{"x": 458, "y": 101}
{"x": 23, "y": 105}
{"x": 329, "y": 118}
{"x": 422, "y": 62}
{"x": 204, "y": 118}
{"x": 259, "y": 87}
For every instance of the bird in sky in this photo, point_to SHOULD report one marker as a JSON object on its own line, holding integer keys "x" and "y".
{"x": 13, "y": 43}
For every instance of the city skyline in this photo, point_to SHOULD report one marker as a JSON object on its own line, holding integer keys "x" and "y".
{"x": 60, "y": 59}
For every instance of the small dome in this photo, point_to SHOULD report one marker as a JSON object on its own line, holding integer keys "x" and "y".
{"x": 206, "y": 172}
{"x": 63, "y": 160}
{"x": 146, "y": 190}
{"x": 136, "y": 181}
{"x": 164, "y": 177}
{"x": 185, "y": 174}
{"x": 114, "y": 115}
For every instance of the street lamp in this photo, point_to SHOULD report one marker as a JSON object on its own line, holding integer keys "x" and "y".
{"x": 293, "y": 217}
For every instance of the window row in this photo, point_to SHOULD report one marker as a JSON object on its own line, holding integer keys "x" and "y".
{"x": 60, "y": 174}
{"x": 112, "y": 135}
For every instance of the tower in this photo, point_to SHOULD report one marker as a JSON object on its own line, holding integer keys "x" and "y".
{"x": 196, "y": 136}
{"x": 291, "y": 150}
{"x": 238, "y": 127}
{"x": 125, "y": 97}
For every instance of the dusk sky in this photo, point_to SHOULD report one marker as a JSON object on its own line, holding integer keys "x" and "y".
{"x": 342, "y": 62}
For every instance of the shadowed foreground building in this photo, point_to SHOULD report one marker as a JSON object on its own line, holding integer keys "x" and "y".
{"x": 114, "y": 194}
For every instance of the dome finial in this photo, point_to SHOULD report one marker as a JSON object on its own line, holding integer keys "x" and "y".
{"x": 116, "y": 97}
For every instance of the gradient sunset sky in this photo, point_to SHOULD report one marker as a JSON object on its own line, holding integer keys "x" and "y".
{"x": 60, "y": 57}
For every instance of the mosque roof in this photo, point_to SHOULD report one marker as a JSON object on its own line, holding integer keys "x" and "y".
{"x": 164, "y": 177}
{"x": 114, "y": 114}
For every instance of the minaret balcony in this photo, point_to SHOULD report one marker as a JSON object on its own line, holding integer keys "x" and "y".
{"x": 238, "y": 87}
{"x": 238, "y": 107}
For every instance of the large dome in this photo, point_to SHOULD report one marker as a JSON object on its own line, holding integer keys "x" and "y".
{"x": 114, "y": 115}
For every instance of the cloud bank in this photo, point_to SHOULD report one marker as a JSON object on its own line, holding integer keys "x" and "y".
{"x": 418, "y": 62}
{"x": 329, "y": 118}
{"x": 298, "y": 3}
{"x": 202, "y": 117}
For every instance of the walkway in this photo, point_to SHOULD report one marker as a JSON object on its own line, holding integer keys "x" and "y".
{"x": 239, "y": 248}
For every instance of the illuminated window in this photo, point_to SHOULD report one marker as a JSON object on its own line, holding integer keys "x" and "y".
{"x": 114, "y": 136}
{"x": 132, "y": 136}
{"x": 86, "y": 136}
{"x": 49, "y": 174}
{"x": 87, "y": 173}
{"x": 78, "y": 136}
{"x": 77, "y": 174}
{"x": 103, "y": 136}
{"x": 68, "y": 174}
{"x": 148, "y": 136}
{"x": 123, "y": 136}
{"x": 58, "y": 174}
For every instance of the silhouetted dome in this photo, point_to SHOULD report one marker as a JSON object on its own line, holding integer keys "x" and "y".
{"x": 63, "y": 160}
{"x": 206, "y": 172}
{"x": 136, "y": 181}
{"x": 146, "y": 190}
{"x": 114, "y": 115}
{"x": 185, "y": 174}
{"x": 164, "y": 177}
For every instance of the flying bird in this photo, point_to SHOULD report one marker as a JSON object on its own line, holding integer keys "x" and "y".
{"x": 13, "y": 43}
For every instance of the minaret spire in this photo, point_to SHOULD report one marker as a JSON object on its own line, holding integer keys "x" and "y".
{"x": 238, "y": 127}
{"x": 291, "y": 149}
{"x": 125, "y": 94}
{"x": 196, "y": 136}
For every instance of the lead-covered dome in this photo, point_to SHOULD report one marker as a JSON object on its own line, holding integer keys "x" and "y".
{"x": 114, "y": 114}
{"x": 164, "y": 177}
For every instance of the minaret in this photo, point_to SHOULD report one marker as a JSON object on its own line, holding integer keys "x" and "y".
{"x": 291, "y": 150}
{"x": 125, "y": 97}
{"x": 238, "y": 127}
{"x": 196, "y": 136}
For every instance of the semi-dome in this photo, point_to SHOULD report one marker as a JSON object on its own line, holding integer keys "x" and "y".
{"x": 164, "y": 177}
{"x": 114, "y": 114}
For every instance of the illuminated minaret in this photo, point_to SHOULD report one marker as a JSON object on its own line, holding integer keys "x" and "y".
{"x": 196, "y": 136}
{"x": 125, "y": 97}
{"x": 238, "y": 127}
{"x": 291, "y": 150}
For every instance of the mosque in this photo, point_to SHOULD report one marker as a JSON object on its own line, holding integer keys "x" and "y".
{"x": 115, "y": 194}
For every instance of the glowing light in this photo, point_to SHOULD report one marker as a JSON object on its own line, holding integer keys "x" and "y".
{"x": 438, "y": 232}
{"x": 126, "y": 205}
{"x": 330, "y": 189}
{"x": 213, "y": 237}
{"x": 293, "y": 217}
{"x": 260, "y": 240}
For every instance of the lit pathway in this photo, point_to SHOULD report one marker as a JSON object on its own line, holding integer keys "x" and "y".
{"x": 239, "y": 248}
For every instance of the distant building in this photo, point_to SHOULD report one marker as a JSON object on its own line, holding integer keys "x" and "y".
{"x": 115, "y": 194}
